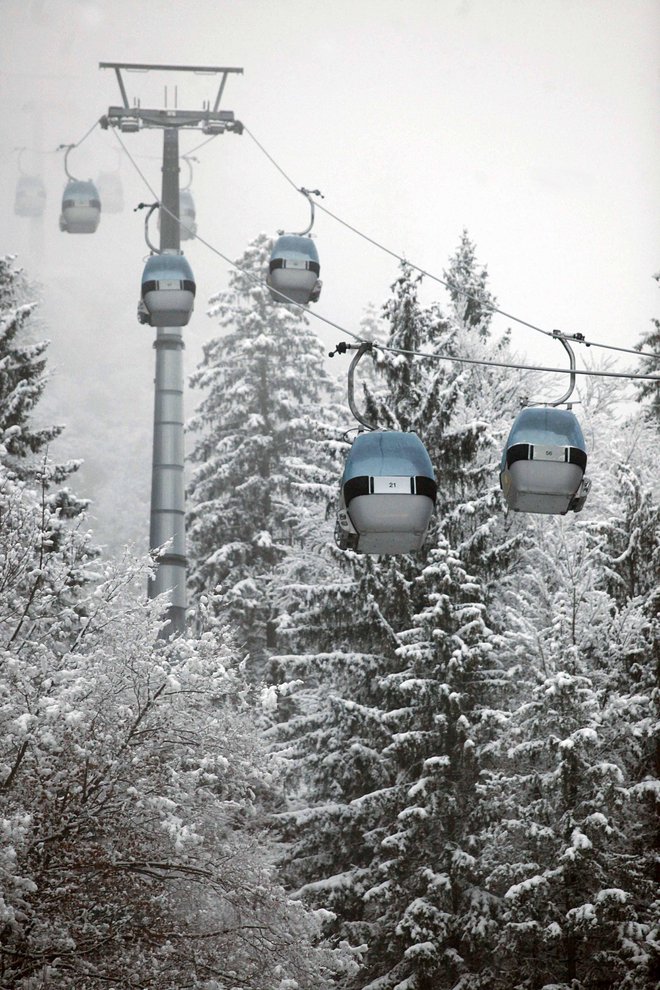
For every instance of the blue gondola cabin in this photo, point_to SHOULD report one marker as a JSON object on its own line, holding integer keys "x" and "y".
{"x": 81, "y": 208}
{"x": 168, "y": 291}
{"x": 543, "y": 463}
{"x": 294, "y": 269}
{"x": 387, "y": 494}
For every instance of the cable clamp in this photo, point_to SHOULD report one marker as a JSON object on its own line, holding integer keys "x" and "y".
{"x": 560, "y": 335}
{"x": 364, "y": 345}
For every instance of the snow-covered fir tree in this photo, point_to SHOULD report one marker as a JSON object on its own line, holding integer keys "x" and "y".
{"x": 467, "y": 281}
{"x": 650, "y": 342}
{"x": 374, "y": 744}
{"x": 563, "y": 854}
{"x": 429, "y": 913}
{"x": 23, "y": 378}
{"x": 22, "y": 374}
{"x": 264, "y": 464}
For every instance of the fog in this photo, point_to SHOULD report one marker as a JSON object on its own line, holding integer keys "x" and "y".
{"x": 532, "y": 125}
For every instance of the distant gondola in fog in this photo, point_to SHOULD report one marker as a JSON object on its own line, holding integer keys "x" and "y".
{"x": 30, "y": 198}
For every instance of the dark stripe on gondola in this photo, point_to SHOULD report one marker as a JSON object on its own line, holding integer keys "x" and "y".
{"x": 426, "y": 486}
{"x": 68, "y": 203}
{"x": 525, "y": 452}
{"x": 574, "y": 455}
{"x": 364, "y": 485}
{"x": 312, "y": 266}
{"x": 154, "y": 285}
{"x": 358, "y": 486}
{"x": 519, "y": 452}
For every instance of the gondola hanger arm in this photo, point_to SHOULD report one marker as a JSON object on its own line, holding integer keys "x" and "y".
{"x": 360, "y": 349}
{"x": 564, "y": 400}
{"x": 308, "y": 193}
{"x": 150, "y": 207}
{"x": 67, "y": 151}
{"x": 188, "y": 159}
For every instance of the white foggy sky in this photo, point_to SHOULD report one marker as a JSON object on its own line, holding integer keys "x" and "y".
{"x": 532, "y": 123}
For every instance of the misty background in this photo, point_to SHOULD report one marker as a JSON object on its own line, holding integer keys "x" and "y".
{"x": 533, "y": 125}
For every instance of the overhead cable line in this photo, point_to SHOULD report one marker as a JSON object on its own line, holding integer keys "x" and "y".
{"x": 271, "y": 159}
{"x": 578, "y": 338}
{"x": 422, "y": 354}
{"x": 214, "y": 250}
{"x": 519, "y": 367}
{"x": 83, "y": 138}
{"x": 198, "y": 146}
{"x": 136, "y": 166}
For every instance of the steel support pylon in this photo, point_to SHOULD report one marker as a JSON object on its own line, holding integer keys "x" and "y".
{"x": 167, "y": 521}
{"x": 167, "y": 526}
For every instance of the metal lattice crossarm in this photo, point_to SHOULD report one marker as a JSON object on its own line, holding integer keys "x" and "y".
{"x": 212, "y": 122}
{"x": 211, "y": 118}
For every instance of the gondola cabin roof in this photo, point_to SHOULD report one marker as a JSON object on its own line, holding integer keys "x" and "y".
{"x": 383, "y": 453}
{"x": 165, "y": 267}
{"x": 292, "y": 246}
{"x": 544, "y": 425}
{"x": 293, "y": 270}
{"x": 81, "y": 207}
{"x": 81, "y": 190}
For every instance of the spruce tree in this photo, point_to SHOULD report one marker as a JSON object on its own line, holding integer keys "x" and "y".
{"x": 22, "y": 374}
{"x": 561, "y": 853}
{"x": 472, "y": 301}
{"x": 385, "y": 703}
{"x": 650, "y": 341}
{"x": 423, "y": 882}
{"x": 263, "y": 458}
{"x": 24, "y": 447}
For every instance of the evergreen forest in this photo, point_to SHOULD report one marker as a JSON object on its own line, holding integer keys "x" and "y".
{"x": 435, "y": 771}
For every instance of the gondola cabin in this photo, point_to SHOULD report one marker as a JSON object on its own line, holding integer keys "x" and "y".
{"x": 168, "y": 291}
{"x": 187, "y": 215}
{"x": 543, "y": 463}
{"x": 111, "y": 192}
{"x": 387, "y": 494}
{"x": 293, "y": 270}
{"x": 81, "y": 208}
{"x": 30, "y": 199}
